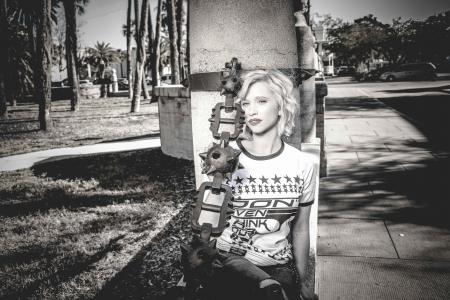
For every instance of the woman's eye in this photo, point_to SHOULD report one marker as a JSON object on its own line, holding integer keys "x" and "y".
{"x": 244, "y": 104}
{"x": 262, "y": 101}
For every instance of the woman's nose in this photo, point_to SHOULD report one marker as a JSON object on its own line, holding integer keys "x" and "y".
{"x": 251, "y": 110}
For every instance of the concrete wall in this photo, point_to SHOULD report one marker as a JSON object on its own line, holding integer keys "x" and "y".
{"x": 175, "y": 121}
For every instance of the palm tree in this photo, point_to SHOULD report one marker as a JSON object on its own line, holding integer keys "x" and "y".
{"x": 71, "y": 7}
{"x": 3, "y": 56}
{"x": 100, "y": 56}
{"x": 128, "y": 34}
{"x": 156, "y": 51}
{"x": 26, "y": 14}
{"x": 44, "y": 69}
{"x": 140, "y": 57}
{"x": 173, "y": 36}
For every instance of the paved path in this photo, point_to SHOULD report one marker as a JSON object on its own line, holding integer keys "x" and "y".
{"x": 27, "y": 160}
{"x": 384, "y": 228}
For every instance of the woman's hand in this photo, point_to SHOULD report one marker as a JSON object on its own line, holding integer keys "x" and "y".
{"x": 306, "y": 293}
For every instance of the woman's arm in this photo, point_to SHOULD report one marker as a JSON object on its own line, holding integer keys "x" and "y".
{"x": 300, "y": 244}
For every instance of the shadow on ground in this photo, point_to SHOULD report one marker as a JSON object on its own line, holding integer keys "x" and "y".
{"x": 394, "y": 180}
{"x": 156, "y": 267}
{"x": 431, "y": 115}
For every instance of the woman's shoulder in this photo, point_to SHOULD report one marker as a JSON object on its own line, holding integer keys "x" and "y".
{"x": 303, "y": 157}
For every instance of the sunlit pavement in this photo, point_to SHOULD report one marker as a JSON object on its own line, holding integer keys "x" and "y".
{"x": 27, "y": 160}
{"x": 384, "y": 228}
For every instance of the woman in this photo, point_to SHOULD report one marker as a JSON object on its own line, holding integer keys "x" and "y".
{"x": 274, "y": 191}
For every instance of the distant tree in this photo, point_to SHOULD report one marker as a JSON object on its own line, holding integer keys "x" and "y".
{"x": 431, "y": 38}
{"x": 101, "y": 56}
{"x": 141, "y": 36}
{"x": 326, "y": 20}
{"x": 355, "y": 43}
{"x": 44, "y": 69}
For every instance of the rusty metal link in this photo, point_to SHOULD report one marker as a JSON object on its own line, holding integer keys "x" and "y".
{"x": 221, "y": 160}
{"x": 216, "y": 120}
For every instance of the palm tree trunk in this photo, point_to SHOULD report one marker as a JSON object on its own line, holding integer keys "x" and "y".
{"x": 179, "y": 18}
{"x": 129, "y": 74}
{"x": 156, "y": 52}
{"x": 173, "y": 36}
{"x": 44, "y": 71}
{"x": 140, "y": 58}
{"x": 136, "y": 20}
{"x": 71, "y": 51}
{"x": 150, "y": 45}
{"x": 144, "y": 86}
{"x": 3, "y": 57}
{"x": 32, "y": 40}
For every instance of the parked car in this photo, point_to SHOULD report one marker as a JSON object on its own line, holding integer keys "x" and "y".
{"x": 373, "y": 75}
{"x": 345, "y": 71}
{"x": 426, "y": 71}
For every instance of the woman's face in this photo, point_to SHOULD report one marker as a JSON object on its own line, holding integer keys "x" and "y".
{"x": 261, "y": 108}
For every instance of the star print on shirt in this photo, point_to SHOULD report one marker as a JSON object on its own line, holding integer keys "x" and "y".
{"x": 239, "y": 180}
{"x": 276, "y": 179}
{"x": 297, "y": 179}
{"x": 263, "y": 179}
{"x": 251, "y": 179}
{"x": 288, "y": 179}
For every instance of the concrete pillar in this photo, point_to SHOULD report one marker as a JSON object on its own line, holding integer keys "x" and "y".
{"x": 260, "y": 33}
{"x": 306, "y": 57}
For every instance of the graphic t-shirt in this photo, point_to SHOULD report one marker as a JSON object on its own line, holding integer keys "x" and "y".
{"x": 267, "y": 193}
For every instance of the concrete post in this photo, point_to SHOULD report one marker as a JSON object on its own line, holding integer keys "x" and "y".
{"x": 260, "y": 33}
{"x": 306, "y": 56}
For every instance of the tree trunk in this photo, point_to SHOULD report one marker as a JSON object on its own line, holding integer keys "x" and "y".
{"x": 144, "y": 86}
{"x": 140, "y": 58}
{"x": 44, "y": 70}
{"x": 173, "y": 36}
{"x": 129, "y": 74}
{"x": 32, "y": 40}
{"x": 136, "y": 20}
{"x": 156, "y": 52}
{"x": 71, "y": 51}
{"x": 3, "y": 57}
{"x": 179, "y": 19}
{"x": 150, "y": 46}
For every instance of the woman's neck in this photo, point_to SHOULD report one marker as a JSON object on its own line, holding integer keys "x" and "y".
{"x": 263, "y": 145}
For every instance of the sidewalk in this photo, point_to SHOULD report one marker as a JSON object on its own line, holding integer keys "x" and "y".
{"x": 384, "y": 228}
{"x": 27, "y": 160}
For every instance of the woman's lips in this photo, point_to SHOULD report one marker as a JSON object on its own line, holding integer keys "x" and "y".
{"x": 254, "y": 122}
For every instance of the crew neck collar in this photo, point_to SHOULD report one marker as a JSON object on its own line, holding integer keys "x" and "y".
{"x": 262, "y": 157}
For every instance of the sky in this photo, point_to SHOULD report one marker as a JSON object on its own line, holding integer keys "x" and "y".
{"x": 103, "y": 19}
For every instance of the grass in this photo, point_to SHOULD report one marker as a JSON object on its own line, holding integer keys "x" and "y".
{"x": 74, "y": 229}
{"x": 97, "y": 120}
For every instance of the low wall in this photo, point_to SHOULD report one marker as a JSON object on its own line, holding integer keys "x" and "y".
{"x": 175, "y": 123}
{"x": 88, "y": 92}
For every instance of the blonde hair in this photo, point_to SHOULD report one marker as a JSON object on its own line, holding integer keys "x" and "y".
{"x": 283, "y": 88}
